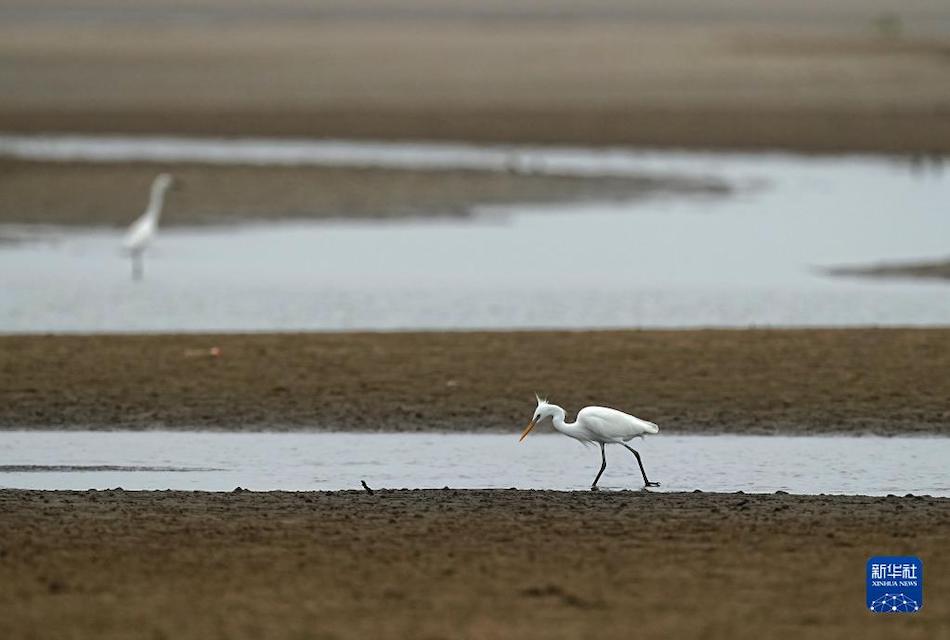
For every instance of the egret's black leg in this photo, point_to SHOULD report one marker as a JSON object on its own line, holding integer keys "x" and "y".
{"x": 138, "y": 265}
{"x": 646, "y": 480}
{"x": 603, "y": 457}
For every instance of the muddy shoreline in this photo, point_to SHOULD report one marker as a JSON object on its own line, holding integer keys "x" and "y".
{"x": 882, "y": 381}
{"x": 926, "y": 270}
{"x": 528, "y": 564}
{"x": 112, "y": 194}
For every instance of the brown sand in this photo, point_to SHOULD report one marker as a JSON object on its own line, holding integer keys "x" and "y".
{"x": 800, "y": 381}
{"x": 460, "y": 564}
{"x": 848, "y": 75}
{"x": 113, "y": 194}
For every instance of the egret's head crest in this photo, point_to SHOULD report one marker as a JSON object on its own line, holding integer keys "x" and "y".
{"x": 163, "y": 181}
{"x": 541, "y": 401}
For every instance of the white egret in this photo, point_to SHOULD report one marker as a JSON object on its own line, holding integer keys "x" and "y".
{"x": 600, "y": 425}
{"x": 142, "y": 231}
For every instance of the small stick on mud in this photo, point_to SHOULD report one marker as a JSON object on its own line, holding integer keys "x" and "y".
{"x": 366, "y": 487}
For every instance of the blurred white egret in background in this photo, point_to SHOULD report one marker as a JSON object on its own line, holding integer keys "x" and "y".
{"x": 600, "y": 425}
{"x": 143, "y": 230}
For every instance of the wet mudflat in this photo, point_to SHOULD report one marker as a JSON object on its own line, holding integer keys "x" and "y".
{"x": 723, "y": 74}
{"x": 451, "y": 563}
{"x": 885, "y": 381}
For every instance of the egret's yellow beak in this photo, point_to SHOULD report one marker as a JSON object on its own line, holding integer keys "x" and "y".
{"x": 527, "y": 430}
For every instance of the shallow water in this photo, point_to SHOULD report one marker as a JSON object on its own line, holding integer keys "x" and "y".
{"x": 677, "y": 261}
{"x": 327, "y": 461}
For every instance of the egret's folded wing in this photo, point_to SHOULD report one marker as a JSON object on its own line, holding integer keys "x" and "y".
{"x": 614, "y": 425}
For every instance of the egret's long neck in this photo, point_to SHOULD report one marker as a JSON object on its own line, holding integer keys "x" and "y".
{"x": 559, "y": 423}
{"x": 156, "y": 200}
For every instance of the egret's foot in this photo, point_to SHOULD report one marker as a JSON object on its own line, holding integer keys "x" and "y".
{"x": 595, "y": 488}
{"x": 652, "y": 484}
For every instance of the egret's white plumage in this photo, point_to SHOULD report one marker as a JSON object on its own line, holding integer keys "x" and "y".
{"x": 143, "y": 230}
{"x": 597, "y": 425}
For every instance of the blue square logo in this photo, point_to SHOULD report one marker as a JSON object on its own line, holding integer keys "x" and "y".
{"x": 895, "y": 584}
